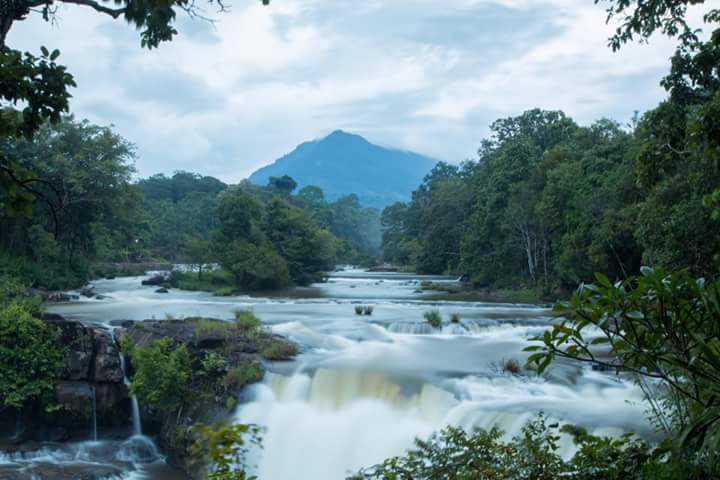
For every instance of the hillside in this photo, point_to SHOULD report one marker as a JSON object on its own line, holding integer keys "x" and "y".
{"x": 343, "y": 163}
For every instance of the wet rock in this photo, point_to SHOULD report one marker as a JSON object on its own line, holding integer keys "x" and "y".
{"x": 50, "y": 296}
{"x": 113, "y": 404}
{"x": 76, "y": 405}
{"x": 88, "y": 291}
{"x": 79, "y": 343}
{"x": 162, "y": 290}
{"x": 101, "y": 297}
{"x": 156, "y": 280}
{"x": 107, "y": 366}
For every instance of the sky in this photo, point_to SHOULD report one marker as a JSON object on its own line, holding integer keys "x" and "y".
{"x": 227, "y": 97}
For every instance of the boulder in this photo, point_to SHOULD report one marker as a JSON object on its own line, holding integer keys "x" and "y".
{"x": 88, "y": 291}
{"x": 79, "y": 342}
{"x": 155, "y": 280}
{"x": 162, "y": 290}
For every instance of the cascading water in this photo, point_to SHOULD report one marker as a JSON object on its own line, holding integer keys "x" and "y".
{"x": 135, "y": 406}
{"x": 94, "y": 413}
{"x": 365, "y": 387}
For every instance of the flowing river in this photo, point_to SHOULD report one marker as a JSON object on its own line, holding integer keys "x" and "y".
{"x": 364, "y": 387}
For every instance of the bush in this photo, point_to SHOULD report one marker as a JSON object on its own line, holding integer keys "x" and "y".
{"x": 455, "y": 454}
{"x": 455, "y": 318}
{"x": 213, "y": 364}
{"x": 246, "y": 321}
{"x": 30, "y": 357}
{"x": 279, "y": 350}
{"x": 359, "y": 309}
{"x": 433, "y": 317}
{"x": 511, "y": 366}
{"x": 162, "y": 373}
{"x": 368, "y": 310}
{"x": 236, "y": 378}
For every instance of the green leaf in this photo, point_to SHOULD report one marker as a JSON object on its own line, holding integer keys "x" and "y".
{"x": 44, "y": 51}
{"x": 55, "y": 54}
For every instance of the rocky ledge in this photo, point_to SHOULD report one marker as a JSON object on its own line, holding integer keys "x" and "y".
{"x": 89, "y": 390}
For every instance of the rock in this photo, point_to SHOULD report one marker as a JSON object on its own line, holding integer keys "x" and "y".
{"x": 155, "y": 280}
{"x": 78, "y": 339}
{"x": 76, "y": 405}
{"x": 107, "y": 366}
{"x": 101, "y": 297}
{"x": 50, "y": 296}
{"x": 162, "y": 290}
{"x": 113, "y": 404}
{"x": 88, "y": 291}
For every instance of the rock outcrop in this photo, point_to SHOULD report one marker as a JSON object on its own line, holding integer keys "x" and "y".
{"x": 89, "y": 385}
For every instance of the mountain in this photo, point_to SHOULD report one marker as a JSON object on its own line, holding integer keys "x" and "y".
{"x": 344, "y": 163}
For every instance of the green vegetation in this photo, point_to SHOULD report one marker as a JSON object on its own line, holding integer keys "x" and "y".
{"x": 162, "y": 373}
{"x": 359, "y": 309}
{"x": 659, "y": 327}
{"x": 454, "y": 453}
{"x": 454, "y": 318}
{"x": 30, "y": 357}
{"x": 237, "y": 377}
{"x": 278, "y": 349}
{"x": 246, "y": 321}
{"x": 548, "y": 202}
{"x": 225, "y": 449}
{"x": 364, "y": 309}
{"x": 433, "y": 317}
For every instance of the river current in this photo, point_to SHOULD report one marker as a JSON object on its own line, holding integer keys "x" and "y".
{"x": 363, "y": 387}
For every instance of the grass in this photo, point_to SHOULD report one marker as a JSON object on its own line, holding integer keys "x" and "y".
{"x": 358, "y": 309}
{"x": 237, "y": 377}
{"x": 433, "y": 317}
{"x": 279, "y": 350}
{"x": 205, "y": 326}
{"x": 246, "y": 321}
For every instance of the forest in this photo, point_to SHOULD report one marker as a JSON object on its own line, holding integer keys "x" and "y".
{"x": 90, "y": 213}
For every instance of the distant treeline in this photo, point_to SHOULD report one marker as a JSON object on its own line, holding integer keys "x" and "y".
{"x": 548, "y": 202}
{"x": 87, "y": 209}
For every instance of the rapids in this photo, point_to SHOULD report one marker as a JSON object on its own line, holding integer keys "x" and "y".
{"x": 364, "y": 387}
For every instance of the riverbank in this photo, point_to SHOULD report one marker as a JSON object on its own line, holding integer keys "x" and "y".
{"x": 460, "y": 292}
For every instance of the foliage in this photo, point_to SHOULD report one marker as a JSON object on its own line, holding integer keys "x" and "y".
{"x": 278, "y": 349}
{"x": 213, "y": 364}
{"x": 246, "y": 321}
{"x": 30, "y": 357}
{"x": 359, "y": 309}
{"x": 454, "y": 453}
{"x": 433, "y": 317}
{"x": 454, "y": 318}
{"x": 237, "y": 377}
{"x": 659, "y": 326}
{"x": 368, "y": 310}
{"x": 225, "y": 448}
{"x": 162, "y": 373}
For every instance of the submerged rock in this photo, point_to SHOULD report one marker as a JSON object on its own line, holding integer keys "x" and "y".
{"x": 162, "y": 290}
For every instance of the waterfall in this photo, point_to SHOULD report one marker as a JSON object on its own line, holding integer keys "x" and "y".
{"x": 94, "y": 413}
{"x": 136, "y": 422}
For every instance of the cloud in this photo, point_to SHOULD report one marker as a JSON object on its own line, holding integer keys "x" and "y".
{"x": 227, "y": 97}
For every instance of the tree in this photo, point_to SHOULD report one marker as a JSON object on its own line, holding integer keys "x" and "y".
{"x": 282, "y": 185}
{"x": 664, "y": 327}
{"x": 197, "y": 250}
{"x": 41, "y": 85}
{"x": 162, "y": 373}
{"x": 30, "y": 357}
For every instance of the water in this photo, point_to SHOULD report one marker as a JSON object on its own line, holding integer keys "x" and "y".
{"x": 364, "y": 387}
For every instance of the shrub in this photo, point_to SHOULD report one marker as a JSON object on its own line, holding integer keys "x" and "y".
{"x": 213, "y": 364}
{"x": 30, "y": 357}
{"x": 359, "y": 309}
{"x": 368, "y": 310}
{"x": 246, "y": 321}
{"x": 224, "y": 448}
{"x": 206, "y": 326}
{"x": 237, "y": 377}
{"x": 279, "y": 350}
{"x": 511, "y": 366}
{"x": 162, "y": 373}
{"x": 455, "y": 318}
{"x": 433, "y": 317}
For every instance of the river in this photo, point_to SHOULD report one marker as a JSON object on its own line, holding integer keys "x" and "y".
{"x": 364, "y": 387}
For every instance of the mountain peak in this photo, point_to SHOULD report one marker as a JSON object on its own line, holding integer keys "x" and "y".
{"x": 343, "y": 163}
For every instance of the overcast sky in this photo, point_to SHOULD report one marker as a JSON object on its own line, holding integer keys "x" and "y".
{"x": 425, "y": 75}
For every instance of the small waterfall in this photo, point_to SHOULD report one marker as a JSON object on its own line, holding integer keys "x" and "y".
{"x": 136, "y": 422}
{"x": 94, "y": 413}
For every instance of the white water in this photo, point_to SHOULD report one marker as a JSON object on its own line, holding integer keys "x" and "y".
{"x": 365, "y": 386}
